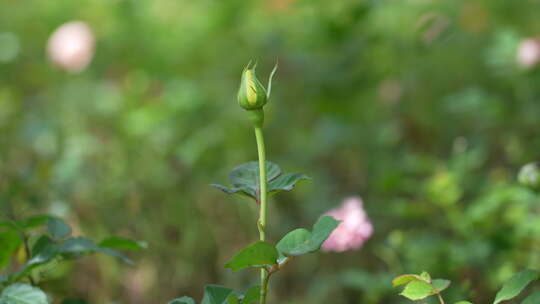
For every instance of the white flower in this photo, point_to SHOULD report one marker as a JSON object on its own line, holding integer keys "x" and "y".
{"x": 528, "y": 53}
{"x": 71, "y": 46}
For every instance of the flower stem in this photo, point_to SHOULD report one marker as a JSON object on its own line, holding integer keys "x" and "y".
{"x": 263, "y": 194}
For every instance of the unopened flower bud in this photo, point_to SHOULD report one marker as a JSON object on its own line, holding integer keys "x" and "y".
{"x": 529, "y": 175}
{"x": 252, "y": 94}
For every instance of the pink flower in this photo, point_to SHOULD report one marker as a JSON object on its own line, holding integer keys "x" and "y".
{"x": 354, "y": 229}
{"x": 528, "y": 53}
{"x": 71, "y": 46}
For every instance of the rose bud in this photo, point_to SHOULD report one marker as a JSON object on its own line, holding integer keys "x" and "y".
{"x": 252, "y": 94}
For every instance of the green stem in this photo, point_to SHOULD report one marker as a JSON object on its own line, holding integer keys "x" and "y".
{"x": 263, "y": 195}
{"x": 441, "y": 300}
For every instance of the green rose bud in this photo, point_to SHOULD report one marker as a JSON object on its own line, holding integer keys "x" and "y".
{"x": 252, "y": 94}
{"x": 529, "y": 175}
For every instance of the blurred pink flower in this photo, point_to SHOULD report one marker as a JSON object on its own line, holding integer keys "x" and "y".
{"x": 71, "y": 46}
{"x": 354, "y": 229}
{"x": 528, "y": 53}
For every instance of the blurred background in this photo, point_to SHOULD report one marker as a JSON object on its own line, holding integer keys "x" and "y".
{"x": 117, "y": 115}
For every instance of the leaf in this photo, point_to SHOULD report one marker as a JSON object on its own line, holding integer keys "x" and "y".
{"x": 244, "y": 190}
{"x": 286, "y": 182}
{"x": 440, "y": 285}
{"x": 424, "y": 276}
{"x": 57, "y": 228}
{"x": 534, "y": 298}
{"x": 182, "y": 300}
{"x": 215, "y": 294}
{"x": 33, "y": 222}
{"x": 404, "y": 279}
{"x": 116, "y": 254}
{"x": 248, "y": 174}
{"x": 10, "y": 241}
{"x": 43, "y": 252}
{"x": 23, "y": 294}
{"x": 77, "y": 246}
{"x": 322, "y": 230}
{"x": 252, "y": 295}
{"x": 463, "y": 302}
{"x": 417, "y": 290}
{"x": 296, "y": 242}
{"x": 121, "y": 243}
{"x": 232, "y": 299}
{"x": 259, "y": 254}
{"x": 301, "y": 241}
{"x": 515, "y": 285}
{"x": 245, "y": 180}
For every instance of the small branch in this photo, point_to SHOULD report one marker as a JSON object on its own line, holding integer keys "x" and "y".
{"x": 28, "y": 256}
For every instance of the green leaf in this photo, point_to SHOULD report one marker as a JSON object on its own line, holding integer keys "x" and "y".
{"x": 463, "y": 302}
{"x": 215, "y": 294}
{"x": 57, "y": 228}
{"x": 248, "y": 174}
{"x": 43, "y": 252}
{"x": 260, "y": 254}
{"x": 296, "y": 242}
{"x": 182, "y": 300}
{"x": 33, "y": 222}
{"x": 245, "y": 180}
{"x": 301, "y": 241}
{"x": 121, "y": 243}
{"x": 116, "y": 254}
{"x": 77, "y": 246}
{"x": 440, "y": 285}
{"x": 417, "y": 290}
{"x": 534, "y": 298}
{"x": 233, "y": 299}
{"x": 515, "y": 285}
{"x": 405, "y": 278}
{"x": 424, "y": 276}
{"x": 286, "y": 182}
{"x": 10, "y": 241}
{"x": 252, "y": 295}
{"x": 242, "y": 190}
{"x": 23, "y": 294}
{"x": 322, "y": 230}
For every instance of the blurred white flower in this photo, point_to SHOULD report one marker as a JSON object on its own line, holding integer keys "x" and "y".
{"x": 71, "y": 46}
{"x": 354, "y": 229}
{"x": 528, "y": 53}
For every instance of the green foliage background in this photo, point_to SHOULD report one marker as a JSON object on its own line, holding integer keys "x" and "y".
{"x": 416, "y": 106}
